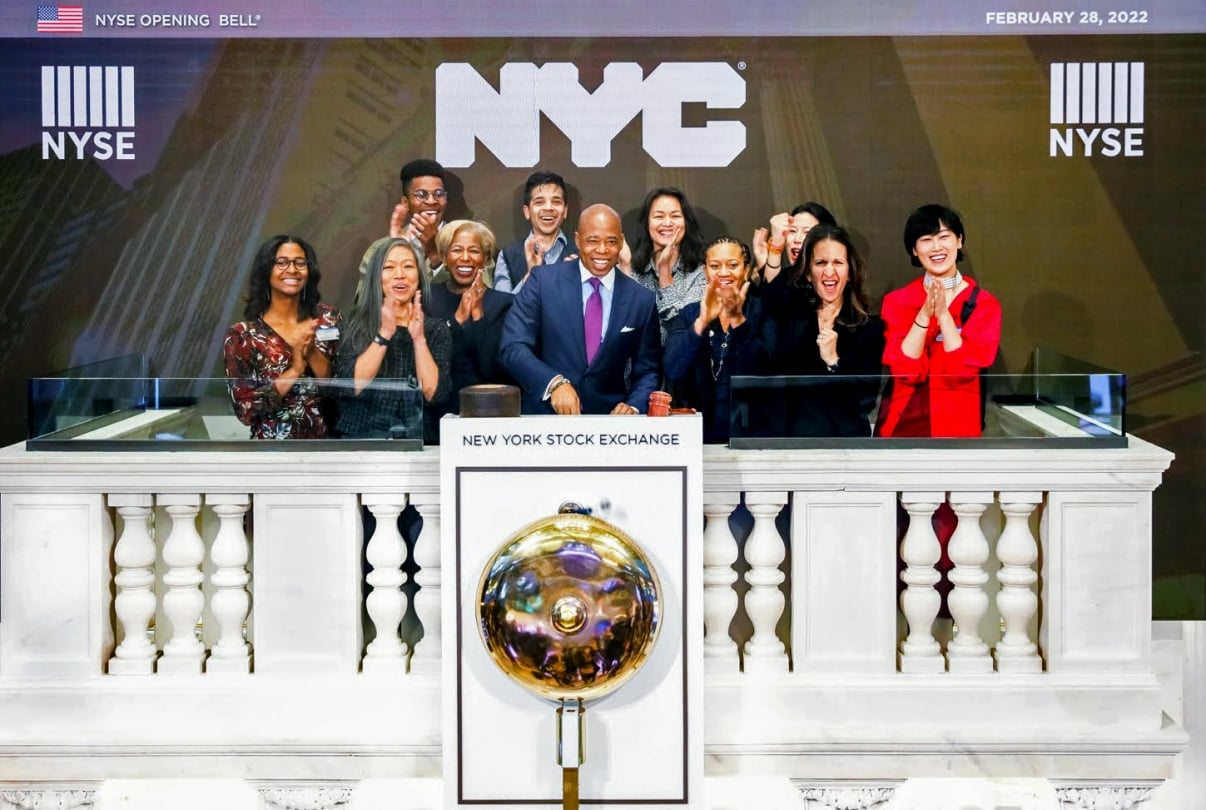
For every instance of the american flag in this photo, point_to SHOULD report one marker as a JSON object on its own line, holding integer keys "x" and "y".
{"x": 60, "y": 19}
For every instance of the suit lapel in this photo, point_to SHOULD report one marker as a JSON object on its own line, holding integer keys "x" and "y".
{"x": 570, "y": 292}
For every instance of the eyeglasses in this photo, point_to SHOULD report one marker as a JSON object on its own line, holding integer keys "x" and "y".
{"x": 299, "y": 263}
{"x": 423, "y": 195}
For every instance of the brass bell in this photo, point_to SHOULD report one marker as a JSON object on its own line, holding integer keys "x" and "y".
{"x": 568, "y": 606}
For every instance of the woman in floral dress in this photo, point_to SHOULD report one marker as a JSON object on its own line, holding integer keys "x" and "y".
{"x": 286, "y": 344}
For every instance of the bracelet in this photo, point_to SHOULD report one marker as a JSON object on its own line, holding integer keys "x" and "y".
{"x": 833, "y": 368}
{"x": 558, "y": 384}
{"x": 774, "y": 266}
{"x": 922, "y": 325}
{"x": 775, "y": 250}
{"x": 380, "y": 339}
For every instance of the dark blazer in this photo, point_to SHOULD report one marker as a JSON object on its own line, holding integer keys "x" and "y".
{"x": 474, "y": 343}
{"x": 542, "y": 337}
{"x": 696, "y": 378}
{"x": 832, "y": 403}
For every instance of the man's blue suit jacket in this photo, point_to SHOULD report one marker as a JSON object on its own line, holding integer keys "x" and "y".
{"x": 543, "y": 337}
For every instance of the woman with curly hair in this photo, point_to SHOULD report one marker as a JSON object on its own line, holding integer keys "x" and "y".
{"x": 285, "y": 343}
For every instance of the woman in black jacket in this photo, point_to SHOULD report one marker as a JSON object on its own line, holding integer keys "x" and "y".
{"x": 825, "y": 330}
{"x": 722, "y": 334}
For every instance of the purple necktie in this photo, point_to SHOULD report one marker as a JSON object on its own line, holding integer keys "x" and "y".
{"x": 592, "y": 321}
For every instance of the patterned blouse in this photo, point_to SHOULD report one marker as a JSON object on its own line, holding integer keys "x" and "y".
{"x": 255, "y": 355}
{"x": 686, "y": 287}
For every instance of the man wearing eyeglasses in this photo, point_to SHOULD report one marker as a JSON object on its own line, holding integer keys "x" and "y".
{"x": 418, "y": 216}
{"x": 420, "y": 213}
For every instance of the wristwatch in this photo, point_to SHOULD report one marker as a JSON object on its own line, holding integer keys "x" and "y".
{"x": 380, "y": 340}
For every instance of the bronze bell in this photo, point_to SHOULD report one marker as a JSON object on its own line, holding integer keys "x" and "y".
{"x": 569, "y": 606}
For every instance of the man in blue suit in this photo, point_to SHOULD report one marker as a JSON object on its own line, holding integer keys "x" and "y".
{"x": 582, "y": 337}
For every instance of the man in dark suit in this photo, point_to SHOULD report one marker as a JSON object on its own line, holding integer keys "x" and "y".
{"x": 578, "y": 326}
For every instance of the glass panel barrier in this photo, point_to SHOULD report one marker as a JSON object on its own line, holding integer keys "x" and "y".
{"x": 995, "y": 410}
{"x": 170, "y": 413}
{"x": 1006, "y": 410}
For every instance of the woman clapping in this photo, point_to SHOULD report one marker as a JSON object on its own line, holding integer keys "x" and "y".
{"x": 718, "y": 336}
{"x": 285, "y": 344}
{"x": 396, "y": 358}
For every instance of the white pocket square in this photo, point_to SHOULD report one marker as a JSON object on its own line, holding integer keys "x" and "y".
{"x": 624, "y": 329}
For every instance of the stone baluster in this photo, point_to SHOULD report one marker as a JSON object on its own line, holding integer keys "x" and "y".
{"x": 231, "y": 602}
{"x": 427, "y": 651}
{"x": 1017, "y": 601}
{"x": 134, "y": 604}
{"x": 720, "y": 600}
{"x": 183, "y": 553}
{"x": 968, "y": 600}
{"x": 919, "y": 652}
{"x": 764, "y": 602}
{"x": 386, "y": 601}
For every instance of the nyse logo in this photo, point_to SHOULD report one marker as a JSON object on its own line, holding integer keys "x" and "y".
{"x": 87, "y": 112}
{"x": 507, "y": 122}
{"x": 1097, "y": 109}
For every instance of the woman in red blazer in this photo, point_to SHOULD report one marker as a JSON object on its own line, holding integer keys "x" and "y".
{"x": 942, "y": 330}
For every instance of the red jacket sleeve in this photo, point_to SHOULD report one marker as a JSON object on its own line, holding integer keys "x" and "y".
{"x": 898, "y": 315}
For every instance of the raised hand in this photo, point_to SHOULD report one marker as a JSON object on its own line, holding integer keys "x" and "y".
{"x": 415, "y": 327}
{"x": 389, "y": 320}
{"x": 532, "y": 252}
{"x": 827, "y": 340}
{"x": 667, "y": 256}
{"x": 470, "y": 306}
{"x": 780, "y": 224}
{"x": 423, "y": 227}
{"x": 625, "y": 258}
{"x": 710, "y": 306}
{"x": 758, "y": 244}
{"x": 302, "y": 344}
{"x": 397, "y": 219}
{"x": 935, "y": 301}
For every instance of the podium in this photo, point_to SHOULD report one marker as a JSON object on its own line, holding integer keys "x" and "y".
{"x": 643, "y": 742}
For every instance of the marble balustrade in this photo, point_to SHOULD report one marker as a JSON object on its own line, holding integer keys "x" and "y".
{"x": 220, "y": 589}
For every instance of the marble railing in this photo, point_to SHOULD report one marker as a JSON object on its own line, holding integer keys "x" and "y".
{"x": 213, "y": 613}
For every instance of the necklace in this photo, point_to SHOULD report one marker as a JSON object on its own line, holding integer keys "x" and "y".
{"x": 717, "y": 367}
{"x": 947, "y": 283}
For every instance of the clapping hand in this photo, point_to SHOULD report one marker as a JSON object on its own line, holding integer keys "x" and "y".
{"x": 415, "y": 327}
{"x": 422, "y": 228}
{"x": 470, "y": 306}
{"x": 710, "y": 306}
{"x": 303, "y": 344}
{"x": 625, "y": 258}
{"x": 935, "y": 302}
{"x": 397, "y": 219}
{"x": 532, "y": 252}
{"x": 667, "y": 256}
